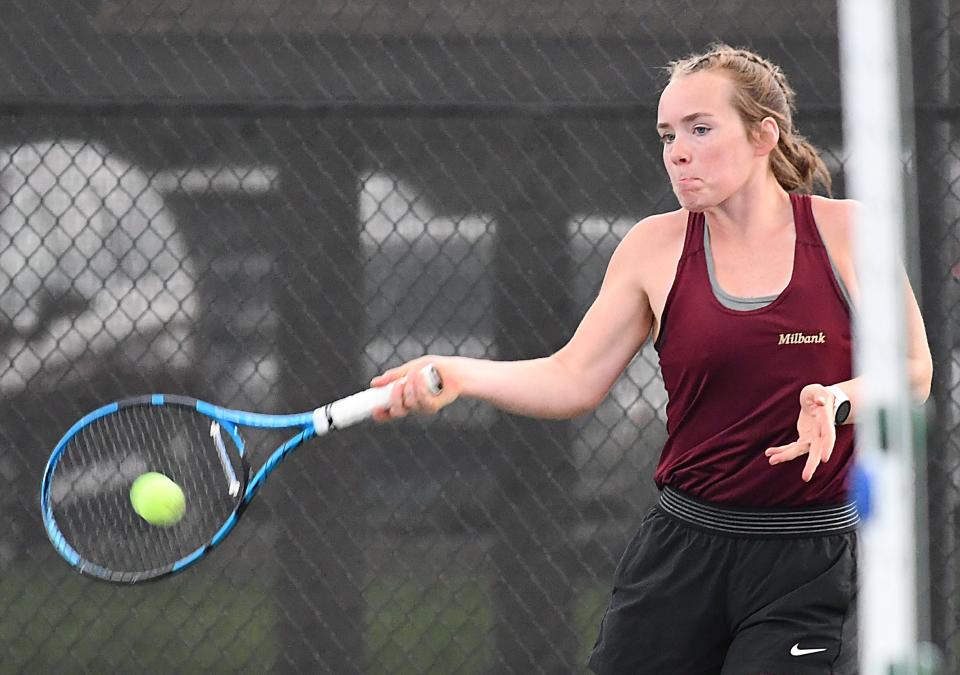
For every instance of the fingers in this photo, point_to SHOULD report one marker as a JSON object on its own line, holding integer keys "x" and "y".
{"x": 381, "y": 415}
{"x": 789, "y": 452}
{"x": 410, "y": 392}
{"x": 389, "y": 376}
{"x": 815, "y": 454}
{"x": 825, "y": 436}
{"x": 786, "y": 453}
{"x": 397, "y": 407}
{"x": 817, "y": 437}
{"x": 828, "y": 432}
{"x": 813, "y": 461}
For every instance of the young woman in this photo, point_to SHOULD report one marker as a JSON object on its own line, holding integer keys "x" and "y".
{"x": 748, "y": 562}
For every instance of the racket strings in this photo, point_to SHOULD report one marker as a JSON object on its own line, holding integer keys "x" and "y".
{"x": 90, "y": 491}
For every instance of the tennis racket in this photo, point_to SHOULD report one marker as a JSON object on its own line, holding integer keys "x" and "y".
{"x": 85, "y": 492}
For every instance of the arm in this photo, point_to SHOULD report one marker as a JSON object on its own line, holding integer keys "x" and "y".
{"x": 565, "y": 384}
{"x": 919, "y": 368}
{"x": 919, "y": 360}
{"x": 815, "y": 425}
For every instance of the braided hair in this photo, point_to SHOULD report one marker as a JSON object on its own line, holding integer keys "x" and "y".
{"x": 761, "y": 90}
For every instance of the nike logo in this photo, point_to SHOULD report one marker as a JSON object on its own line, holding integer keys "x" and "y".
{"x": 796, "y": 651}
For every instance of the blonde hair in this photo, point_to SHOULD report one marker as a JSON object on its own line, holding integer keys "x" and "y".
{"x": 761, "y": 90}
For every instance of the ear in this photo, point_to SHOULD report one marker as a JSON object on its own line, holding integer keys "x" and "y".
{"x": 767, "y": 136}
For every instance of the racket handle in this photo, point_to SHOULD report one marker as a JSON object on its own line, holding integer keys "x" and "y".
{"x": 432, "y": 377}
{"x": 360, "y": 406}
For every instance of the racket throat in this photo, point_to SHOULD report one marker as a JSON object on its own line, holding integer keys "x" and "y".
{"x": 233, "y": 485}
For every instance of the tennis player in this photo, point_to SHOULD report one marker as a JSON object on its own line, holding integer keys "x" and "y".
{"x": 747, "y": 564}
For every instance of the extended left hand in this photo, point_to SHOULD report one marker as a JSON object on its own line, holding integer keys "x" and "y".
{"x": 816, "y": 433}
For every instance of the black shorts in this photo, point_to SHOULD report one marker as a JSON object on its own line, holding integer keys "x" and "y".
{"x": 707, "y": 590}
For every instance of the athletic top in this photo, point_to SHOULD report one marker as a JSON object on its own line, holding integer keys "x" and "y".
{"x": 733, "y": 378}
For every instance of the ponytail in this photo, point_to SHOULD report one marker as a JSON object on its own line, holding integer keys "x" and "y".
{"x": 797, "y": 165}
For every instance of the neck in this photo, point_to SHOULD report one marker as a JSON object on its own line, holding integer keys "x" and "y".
{"x": 757, "y": 208}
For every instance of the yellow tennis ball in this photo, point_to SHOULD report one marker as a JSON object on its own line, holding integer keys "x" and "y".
{"x": 157, "y": 499}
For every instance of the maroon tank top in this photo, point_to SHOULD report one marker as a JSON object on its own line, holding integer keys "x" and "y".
{"x": 733, "y": 378}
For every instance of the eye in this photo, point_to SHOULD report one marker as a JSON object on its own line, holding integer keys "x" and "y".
{"x": 667, "y": 138}
{"x": 700, "y": 130}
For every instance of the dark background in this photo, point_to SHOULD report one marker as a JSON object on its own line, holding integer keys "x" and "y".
{"x": 348, "y": 185}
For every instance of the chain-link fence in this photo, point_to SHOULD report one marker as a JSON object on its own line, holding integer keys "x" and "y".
{"x": 264, "y": 204}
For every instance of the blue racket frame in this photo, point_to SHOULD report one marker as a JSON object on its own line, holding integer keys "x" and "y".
{"x": 338, "y": 414}
{"x": 229, "y": 420}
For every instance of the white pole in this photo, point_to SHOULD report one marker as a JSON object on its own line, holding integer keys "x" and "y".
{"x": 875, "y": 177}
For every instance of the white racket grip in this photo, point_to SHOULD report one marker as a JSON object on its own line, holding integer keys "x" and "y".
{"x": 360, "y": 406}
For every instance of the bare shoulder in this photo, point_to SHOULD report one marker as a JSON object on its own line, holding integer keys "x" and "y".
{"x": 835, "y": 219}
{"x": 647, "y": 257}
{"x": 833, "y": 208}
{"x": 656, "y": 236}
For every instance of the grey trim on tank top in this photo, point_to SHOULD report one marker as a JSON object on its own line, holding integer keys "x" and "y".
{"x": 746, "y": 304}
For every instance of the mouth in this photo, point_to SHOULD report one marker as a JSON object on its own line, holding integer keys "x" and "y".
{"x": 686, "y": 183}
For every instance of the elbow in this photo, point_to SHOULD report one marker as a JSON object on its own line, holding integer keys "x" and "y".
{"x": 584, "y": 407}
{"x": 570, "y": 410}
{"x": 592, "y": 397}
{"x": 921, "y": 378}
{"x": 574, "y": 406}
{"x": 582, "y": 394}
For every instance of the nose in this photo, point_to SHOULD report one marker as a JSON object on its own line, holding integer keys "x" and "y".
{"x": 677, "y": 152}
